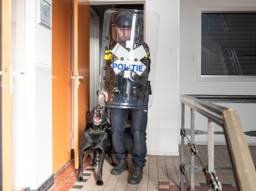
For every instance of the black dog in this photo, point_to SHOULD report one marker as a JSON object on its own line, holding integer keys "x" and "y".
{"x": 96, "y": 137}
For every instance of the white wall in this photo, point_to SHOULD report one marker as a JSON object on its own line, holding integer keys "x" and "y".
{"x": 32, "y": 105}
{"x": 190, "y": 48}
{"x": 163, "y": 122}
{"x": 43, "y": 102}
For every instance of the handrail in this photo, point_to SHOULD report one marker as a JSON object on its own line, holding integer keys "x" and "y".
{"x": 209, "y": 110}
{"x": 228, "y": 119}
{"x": 239, "y": 150}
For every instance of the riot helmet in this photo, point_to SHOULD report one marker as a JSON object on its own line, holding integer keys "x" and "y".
{"x": 123, "y": 24}
{"x": 124, "y": 20}
{"x": 128, "y": 26}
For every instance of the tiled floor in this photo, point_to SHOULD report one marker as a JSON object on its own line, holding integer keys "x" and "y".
{"x": 160, "y": 173}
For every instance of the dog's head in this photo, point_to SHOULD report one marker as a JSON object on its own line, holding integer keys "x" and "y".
{"x": 98, "y": 115}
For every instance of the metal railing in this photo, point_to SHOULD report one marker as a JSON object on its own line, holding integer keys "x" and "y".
{"x": 228, "y": 119}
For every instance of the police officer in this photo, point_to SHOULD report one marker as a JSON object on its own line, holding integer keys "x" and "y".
{"x": 127, "y": 89}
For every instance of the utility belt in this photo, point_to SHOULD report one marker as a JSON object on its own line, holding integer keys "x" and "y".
{"x": 133, "y": 89}
{"x": 142, "y": 89}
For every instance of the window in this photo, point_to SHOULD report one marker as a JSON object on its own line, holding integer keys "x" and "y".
{"x": 228, "y": 44}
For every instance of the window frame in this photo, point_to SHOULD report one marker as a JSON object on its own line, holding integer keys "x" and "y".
{"x": 221, "y": 78}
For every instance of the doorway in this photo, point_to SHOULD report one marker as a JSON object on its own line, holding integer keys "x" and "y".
{"x": 72, "y": 72}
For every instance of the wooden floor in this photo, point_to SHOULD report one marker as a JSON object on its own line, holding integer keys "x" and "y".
{"x": 161, "y": 173}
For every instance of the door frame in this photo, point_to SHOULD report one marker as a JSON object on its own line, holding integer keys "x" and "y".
{"x": 6, "y": 95}
{"x": 75, "y": 82}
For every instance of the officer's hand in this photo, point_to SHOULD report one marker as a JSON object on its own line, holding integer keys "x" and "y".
{"x": 102, "y": 97}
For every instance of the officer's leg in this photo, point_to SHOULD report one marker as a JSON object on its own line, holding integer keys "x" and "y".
{"x": 139, "y": 124}
{"x": 118, "y": 117}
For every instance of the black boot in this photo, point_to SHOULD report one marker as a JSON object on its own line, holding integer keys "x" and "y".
{"x": 135, "y": 176}
{"x": 120, "y": 167}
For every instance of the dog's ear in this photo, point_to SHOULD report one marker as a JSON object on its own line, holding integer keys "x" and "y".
{"x": 89, "y": 124}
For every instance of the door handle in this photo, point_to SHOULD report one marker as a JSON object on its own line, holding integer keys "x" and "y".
{"x": 12, "y": 74}
{"x": 77, "y": 77}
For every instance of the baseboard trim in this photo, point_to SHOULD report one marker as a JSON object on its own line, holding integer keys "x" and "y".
{"x": 63, "y": 168}
{"x": 162, "y": 153}
{"x": 47, "y": 184}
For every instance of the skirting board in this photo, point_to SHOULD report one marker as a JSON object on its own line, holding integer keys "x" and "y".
{"x": 162, "y": 153}
{"x": 45, "y": 186}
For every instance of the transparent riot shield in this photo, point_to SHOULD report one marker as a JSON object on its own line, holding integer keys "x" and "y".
{"x": 125, "y": 59}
